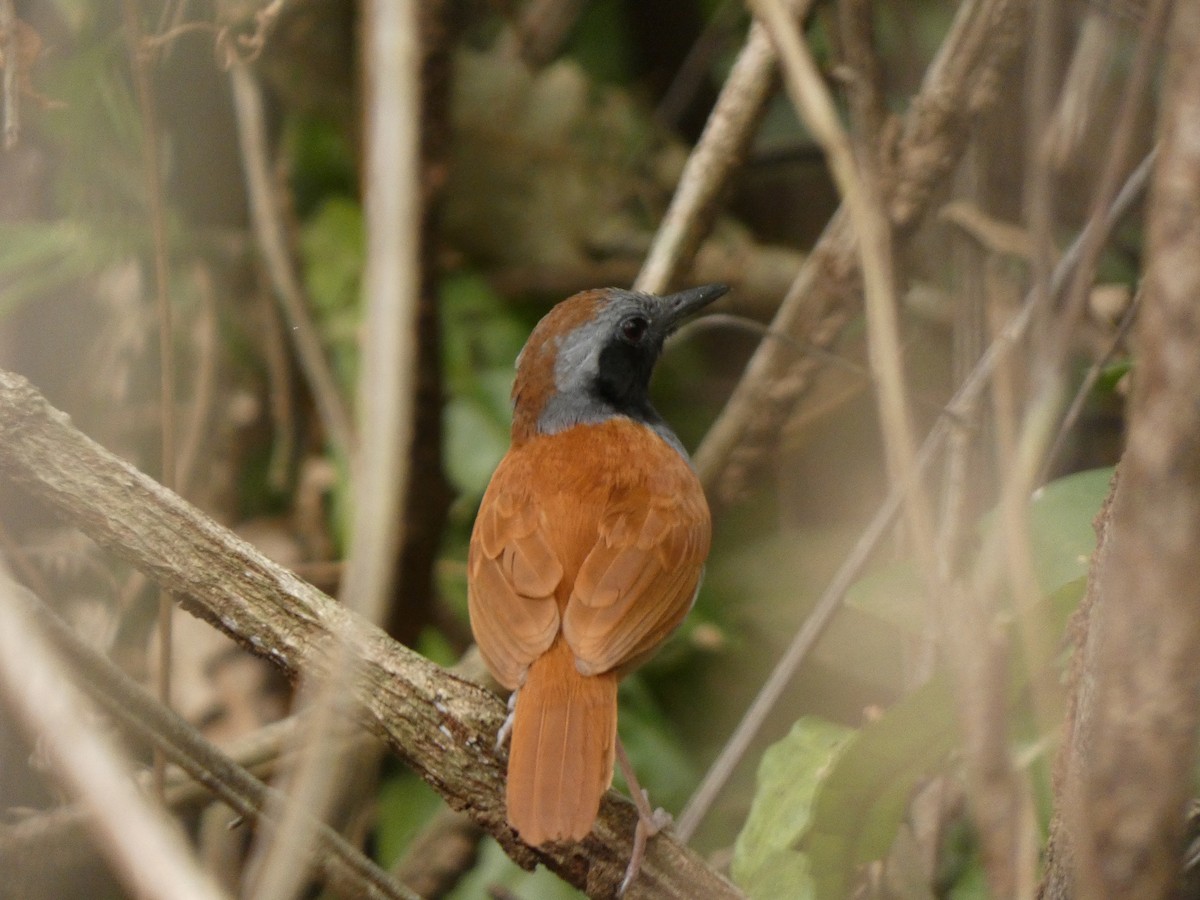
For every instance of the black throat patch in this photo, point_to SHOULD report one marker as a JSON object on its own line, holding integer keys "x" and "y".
{"x": 623, "y": 380}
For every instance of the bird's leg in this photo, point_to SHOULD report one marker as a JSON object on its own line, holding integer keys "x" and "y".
{"x": 650, "y": 821}
{"x": 505, "y": 731}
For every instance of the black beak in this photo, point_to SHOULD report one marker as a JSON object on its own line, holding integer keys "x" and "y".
{"x": 677, "y": 307}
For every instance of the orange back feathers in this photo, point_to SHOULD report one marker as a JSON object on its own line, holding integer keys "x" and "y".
{"x": 587, "y": 550}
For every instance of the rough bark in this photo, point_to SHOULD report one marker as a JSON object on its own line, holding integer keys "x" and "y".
{"x": 443, "y": 726}
{"x": 1132, "y": 744}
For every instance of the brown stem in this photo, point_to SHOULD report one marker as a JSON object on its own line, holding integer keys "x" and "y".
{"x": 1129, "y": 770}
{"x": 166, "y": 330}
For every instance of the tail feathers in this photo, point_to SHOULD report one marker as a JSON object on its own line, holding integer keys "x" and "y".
{"x": 561, "y": 758}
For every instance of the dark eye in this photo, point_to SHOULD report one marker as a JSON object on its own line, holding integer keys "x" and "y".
{"x": 634, "y": 328}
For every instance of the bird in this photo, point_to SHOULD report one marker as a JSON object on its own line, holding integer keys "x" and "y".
{"x": 587, "y": 551}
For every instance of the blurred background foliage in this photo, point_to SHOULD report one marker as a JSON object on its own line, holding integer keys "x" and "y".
{"x": 549, "y": 168}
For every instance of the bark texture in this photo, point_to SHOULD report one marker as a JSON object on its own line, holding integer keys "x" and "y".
{"x": 1132, "y": 744}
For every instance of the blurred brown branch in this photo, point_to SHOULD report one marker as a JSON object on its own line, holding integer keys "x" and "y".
{"x": 443, "y": 726}
{"x": 345, "y": 867}
{"x": 146, "y": 848}
{"x": 1131, "y": 749}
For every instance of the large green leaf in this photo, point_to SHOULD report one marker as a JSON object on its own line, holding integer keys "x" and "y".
{"x": 766, "y": 863}
{"x": 861, "y": 801}
{"x": 1061, "y": 534}
{"x": 1060, "y": 526}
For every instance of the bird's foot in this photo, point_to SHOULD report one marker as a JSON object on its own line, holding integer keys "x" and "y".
{"x": 650, "y": 821}
{"x": 648, "y": 825}
{"x": 505, "y": 731}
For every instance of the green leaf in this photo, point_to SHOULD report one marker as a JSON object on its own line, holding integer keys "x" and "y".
{"x": 1060, "y": 523}
{"x": 972, "y": 885}
{"x": 1060, "y": 526}
{"x": 494, "y": 868}
{"x": 655, "y": 750}
{"x": 781, "y": 874}
{"x": 859, "y": 805}
{"x": 474, "y": 444}
{"x": 405, "y": 804}
{"x": 333, "y": 245}
{"x": 765, "y": 861}
{"x": 482, "y": 335}
{"x": 481, "y": 340}
{"x": 892, "y": 593}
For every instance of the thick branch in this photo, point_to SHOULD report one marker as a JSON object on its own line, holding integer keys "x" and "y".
{"x": 1134, "y": 746}
{"x": 443, "y": 726}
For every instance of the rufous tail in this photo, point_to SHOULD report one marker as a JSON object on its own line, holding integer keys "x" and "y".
{"x": 561, "y": 758}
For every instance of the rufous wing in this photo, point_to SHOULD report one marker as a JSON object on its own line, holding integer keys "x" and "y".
{"x": 639, "y": 580}
{"x": 512, "y": 575}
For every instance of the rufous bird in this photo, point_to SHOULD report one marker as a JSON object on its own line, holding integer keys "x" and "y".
{"x": 588, "y": 549}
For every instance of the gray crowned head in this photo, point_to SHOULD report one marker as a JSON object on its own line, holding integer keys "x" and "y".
{"x": 591, "y": 357}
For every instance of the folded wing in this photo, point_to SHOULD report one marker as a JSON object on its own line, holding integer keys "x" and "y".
{"x": 638, "y": 582}
{"x": 512, "y": 575}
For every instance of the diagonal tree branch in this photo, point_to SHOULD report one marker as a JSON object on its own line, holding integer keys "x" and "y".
{"x": 443, "y": 726}
{"x": 144, "y": 845}
{"x": 1133, "y": 745}
{"x": 347, "y": 870}
{"x": 721, "y": 148}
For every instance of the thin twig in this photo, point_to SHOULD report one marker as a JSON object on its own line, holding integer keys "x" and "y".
{"x": 721, "y": 148}
{"x": 1142, "y": 68}
{"x": 272, "y": 244}
{"x": 1084, "y": 83}
{"x": 1084, "y": 391}
{"x": 437, "y": 858}
{"x": 278, "y": 368}
{"x": 130, "y": 704}
{"x": 386, "y": 406}
{"x": 10, "y": 62}
{"x": 693, "y": 71}
{"x": 864, "y": 76}
{"x": 152, "y": 182}
{"x": 859, "y": 187}
{"x": 146, "y": 848}
{"x": 207, "y": 351}
{"x": 830, "y": 601}
{"x": 1039, "y": 177}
